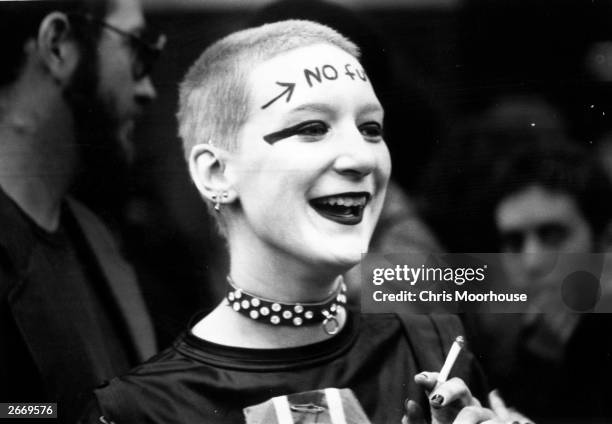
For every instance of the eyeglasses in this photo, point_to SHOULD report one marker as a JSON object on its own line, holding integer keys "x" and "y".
{"x": 146, "y": 47}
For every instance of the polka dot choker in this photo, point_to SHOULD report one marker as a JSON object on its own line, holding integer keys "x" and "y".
{"x": 288, "y": 314}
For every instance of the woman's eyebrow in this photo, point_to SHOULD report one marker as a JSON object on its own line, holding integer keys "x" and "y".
{"x": 313, "y": 107}
{"x": 328, "y": 109}
{"x": 371, "y": 108}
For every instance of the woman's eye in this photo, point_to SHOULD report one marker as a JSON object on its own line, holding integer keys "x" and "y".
{"x": 312, "y": 129}
{"x": 307, "y": 130}
{"x": 372, "y": 131}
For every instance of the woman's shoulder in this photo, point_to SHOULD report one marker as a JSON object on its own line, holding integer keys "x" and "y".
{"x": 166, "y": 366}
{"x": 151, "y": 392}
{"x": 443, "y": 328}
{"x": 430, "y": 336}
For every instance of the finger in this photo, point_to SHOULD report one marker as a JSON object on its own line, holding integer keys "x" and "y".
{"x": 474, "y": 415}
{"x": 427, "y": 380}
{"x": 517, "y": 418}
{"x": 413, "y": 413}
{"x": 453, "y": 390}
{"x": 509, "y": 415}
{"x": 498, "y": 405}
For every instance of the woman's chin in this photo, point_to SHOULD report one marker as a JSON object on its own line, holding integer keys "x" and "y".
{"x": 341, "y": 263}
{"x": 349, "y": 251}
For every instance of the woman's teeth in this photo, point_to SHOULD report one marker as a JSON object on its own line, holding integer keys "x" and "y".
{"x": 345, "y": 201}
{"x": 344, "y": 209}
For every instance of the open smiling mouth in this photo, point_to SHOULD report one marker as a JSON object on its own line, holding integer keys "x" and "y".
{"x": 343, "y": 208}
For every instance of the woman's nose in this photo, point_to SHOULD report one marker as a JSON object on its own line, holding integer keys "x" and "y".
{"x": 356, "y": 155}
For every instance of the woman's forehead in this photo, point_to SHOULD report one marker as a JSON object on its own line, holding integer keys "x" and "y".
{"x": 300, "y": 73}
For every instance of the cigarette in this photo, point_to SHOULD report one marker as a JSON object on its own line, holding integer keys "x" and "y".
{"x": 453, "y": 353}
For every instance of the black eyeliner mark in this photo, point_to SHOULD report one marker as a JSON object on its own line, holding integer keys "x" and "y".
{"x": 286, "y": 133}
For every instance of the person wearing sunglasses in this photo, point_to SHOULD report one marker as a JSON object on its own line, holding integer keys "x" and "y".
{"x": 75, "y": 76}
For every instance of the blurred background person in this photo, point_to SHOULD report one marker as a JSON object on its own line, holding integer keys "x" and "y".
{"x": 74, "y": 79}
{"x": 549, "y": 206}
{"x": 459, "y": 183}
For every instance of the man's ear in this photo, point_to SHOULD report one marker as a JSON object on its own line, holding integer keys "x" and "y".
{"x": 207, "y": 169}
{"x": 57, "y": 48}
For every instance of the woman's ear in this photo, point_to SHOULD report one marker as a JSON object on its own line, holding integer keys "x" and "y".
{"x": 57, "y": 48}
{"x": 207, "y": 169}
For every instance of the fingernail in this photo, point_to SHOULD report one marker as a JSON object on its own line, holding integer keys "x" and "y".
{"x": 423, "y": 375}
{"x": 436, "y": 401}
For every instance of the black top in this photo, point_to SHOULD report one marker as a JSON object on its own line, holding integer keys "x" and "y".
{"x": 80, "y": 342}
{"x": 573, "y": 388}
{"x": 196, "y": 381}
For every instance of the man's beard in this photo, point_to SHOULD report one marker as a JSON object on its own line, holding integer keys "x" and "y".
{"x": 102, "y": 181}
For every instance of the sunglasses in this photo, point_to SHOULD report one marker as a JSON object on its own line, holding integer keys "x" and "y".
{"x": 145, "y": 47}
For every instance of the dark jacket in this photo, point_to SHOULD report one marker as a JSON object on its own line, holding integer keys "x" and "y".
{"x": 25, "y": 363}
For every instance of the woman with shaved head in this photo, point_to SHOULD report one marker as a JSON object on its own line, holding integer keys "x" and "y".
{"x": 284, "y": 138}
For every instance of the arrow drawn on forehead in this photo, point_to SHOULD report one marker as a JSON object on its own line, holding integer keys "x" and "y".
{"x": 289, "y": 88}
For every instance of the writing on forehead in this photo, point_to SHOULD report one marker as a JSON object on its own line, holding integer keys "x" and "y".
{"x": 315, "y": 75}
{"x": 319, "y": 74}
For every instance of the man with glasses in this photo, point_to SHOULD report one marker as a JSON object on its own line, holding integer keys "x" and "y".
{"x": 74, "y": 77}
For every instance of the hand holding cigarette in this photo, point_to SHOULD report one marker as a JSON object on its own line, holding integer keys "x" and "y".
{"x": 451, "y": 400}
{"x": 447, "y": 398}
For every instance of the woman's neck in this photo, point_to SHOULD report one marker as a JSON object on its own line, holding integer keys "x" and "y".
{"x": 276, "y": 275}
{"x": 284, "y": 287}
{"x": 240, "y": 331}
{"x": 272, "y": 274}
{"x": 278, "y": 284}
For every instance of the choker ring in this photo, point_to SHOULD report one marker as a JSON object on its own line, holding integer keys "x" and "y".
{"x": 288, "y": 314}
